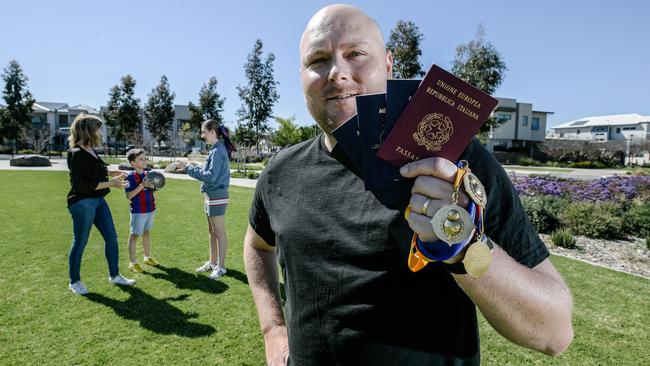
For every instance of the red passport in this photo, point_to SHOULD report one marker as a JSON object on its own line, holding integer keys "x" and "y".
{"x": 441, "y": 119}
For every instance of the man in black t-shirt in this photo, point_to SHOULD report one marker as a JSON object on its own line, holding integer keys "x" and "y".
{"x": 350, "y": 297}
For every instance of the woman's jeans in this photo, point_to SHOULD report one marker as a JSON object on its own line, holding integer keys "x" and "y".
{"x": 85, "y": 213}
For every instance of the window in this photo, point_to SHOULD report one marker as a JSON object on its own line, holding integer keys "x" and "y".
{"x": 504, "y": 116}
{"x": 38, "y": 119}
{"x": 577, "y": 133}
{"x": 618, "y": 130}
{"x": 524, "y": 120}
{"x": 629, "y": 128}
{"x": 63, "y": 121}
{"x": 535, "y": 124}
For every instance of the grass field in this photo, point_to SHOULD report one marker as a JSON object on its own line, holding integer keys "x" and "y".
{"x": 172, "y": 316}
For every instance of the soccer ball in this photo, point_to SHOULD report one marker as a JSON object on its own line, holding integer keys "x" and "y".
{"x": 156, "y": 179}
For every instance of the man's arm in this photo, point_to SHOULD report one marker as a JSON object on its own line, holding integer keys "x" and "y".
{"x": 262, "y": 271}
{"x": 530, "y": 307}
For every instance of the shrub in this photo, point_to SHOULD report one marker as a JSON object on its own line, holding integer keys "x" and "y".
{"x": 253, "y": 175}
{"x": 594, "y": 220}
{"x": 544, "y": 212}
{"x": 163, "y": 164}
{"x": 636, "y": 220}
{"x": 528, "y": 162}
{"x": 647, "y": 242}
{"x": 563, "y": 238}
{"x": 25, "y": 152}
{"x": 588, "y": 165}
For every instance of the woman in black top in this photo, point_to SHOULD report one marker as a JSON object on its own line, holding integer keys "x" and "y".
{"x": 90, "y": 182}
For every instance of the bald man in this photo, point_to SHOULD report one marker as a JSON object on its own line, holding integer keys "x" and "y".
{"x": 350, "y": 297}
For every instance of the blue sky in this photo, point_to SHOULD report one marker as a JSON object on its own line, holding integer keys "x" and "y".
{"x": 575, "y": 58}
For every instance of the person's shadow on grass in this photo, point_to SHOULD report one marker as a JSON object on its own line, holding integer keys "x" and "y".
{"x": 188, "y": 281}
{"x": 156, "y": 315}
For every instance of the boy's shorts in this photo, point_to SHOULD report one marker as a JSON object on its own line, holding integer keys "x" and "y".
{"x": 141, "y": 222}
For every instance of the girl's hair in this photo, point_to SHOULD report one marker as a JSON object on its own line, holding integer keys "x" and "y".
{"x": 212, "y": 125}
{"x": 84, "y": 131}
{"x": 222, "y": 133}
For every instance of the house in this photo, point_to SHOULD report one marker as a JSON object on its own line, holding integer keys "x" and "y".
{"x": 620, "y": 127}
{"x": 523, "y": 127}
{"x": 632, "y": 129}
{"x": 57, "y": 117}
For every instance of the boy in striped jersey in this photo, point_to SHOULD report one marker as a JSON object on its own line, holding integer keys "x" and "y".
{"x": 143, "y": 208}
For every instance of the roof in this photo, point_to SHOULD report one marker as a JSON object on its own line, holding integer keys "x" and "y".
{"x": 84, "y": 108}
{"x": 48, "y": 106}
{"x": 613, "y": 120}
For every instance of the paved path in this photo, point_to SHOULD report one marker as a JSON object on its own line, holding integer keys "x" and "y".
{"x": 59, "y": 164}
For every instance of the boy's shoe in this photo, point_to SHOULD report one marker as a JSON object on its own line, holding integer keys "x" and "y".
{"x": 78, "y": 288}
{"x": 206, "y": 267}
{"x": 217, "y": 273}
{"x": 150, "y": 261}
{"x": 135, "y": 267}
{"x": 121, "y": 280}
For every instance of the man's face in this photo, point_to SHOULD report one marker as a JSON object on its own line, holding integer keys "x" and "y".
{"x": 342, "y": 56}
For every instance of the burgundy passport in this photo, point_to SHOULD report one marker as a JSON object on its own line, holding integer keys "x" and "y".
{"x": 441, "y": 119}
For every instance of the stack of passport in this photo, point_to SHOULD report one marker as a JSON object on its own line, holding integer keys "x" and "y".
{"x": 414, "y": 119}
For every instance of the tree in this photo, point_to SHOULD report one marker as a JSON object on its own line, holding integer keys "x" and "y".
{"x": 186, "y": 134}
{"x": 122, "y": 112}
{"x": 210, "y": 105}
{"x": 244, "y": 134}
{"x": 404, "y": 43}
{"x": 39, "y": 137}
{"x": 159, "y": 111}
{"x": 480, "y": 64}
{"x": 308, "y": 132}
{"x": 287, "y": 133}
{"x": 15, "y": 116}
{"x": 259, "y": 94}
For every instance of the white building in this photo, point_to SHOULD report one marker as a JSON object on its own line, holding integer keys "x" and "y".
{"x": 628, "y": 128}
{"x": 58, "y": 117}
{"x": 604, "y": 128}
{"x": 523, "y": 127}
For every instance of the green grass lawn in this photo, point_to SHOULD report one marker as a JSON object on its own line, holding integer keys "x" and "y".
{"x": 173, "y": 316}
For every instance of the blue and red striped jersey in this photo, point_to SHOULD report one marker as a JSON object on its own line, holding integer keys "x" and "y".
{"x": 142, "y": 202}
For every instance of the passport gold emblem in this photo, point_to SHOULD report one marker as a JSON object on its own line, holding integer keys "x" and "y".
{"x": 433, "y": 131}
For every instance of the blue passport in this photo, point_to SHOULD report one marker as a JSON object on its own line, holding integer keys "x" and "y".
{"x": 371, "y": 114}
{"x": 347, "y": 137}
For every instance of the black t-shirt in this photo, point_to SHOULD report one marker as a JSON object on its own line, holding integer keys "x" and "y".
{"x": 86, "y": 171}
{"x": 351, "y": 299}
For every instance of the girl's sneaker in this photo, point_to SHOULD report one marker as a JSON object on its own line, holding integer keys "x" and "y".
{"x": 217, "y": 273}
{"x": 206, "y": 267}
{"x": 135, "y": 267}
{"x": 78, "y": 288}
{"x": 121, "y": 280}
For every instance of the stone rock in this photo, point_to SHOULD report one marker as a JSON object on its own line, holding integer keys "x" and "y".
{"x": 125, "y": 166}
{"x": 30, "y": 160}
{"x": 175, "y": 168}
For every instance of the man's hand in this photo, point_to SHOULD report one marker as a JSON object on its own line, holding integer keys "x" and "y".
{"x": 435, "y": 178}
{"x": 276, "y": 344}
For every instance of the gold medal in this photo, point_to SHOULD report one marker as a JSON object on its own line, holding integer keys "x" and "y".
{"x": 452, "y": 224}
{"x": 478, "y": 257}
{"x": 475, "y": 189}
